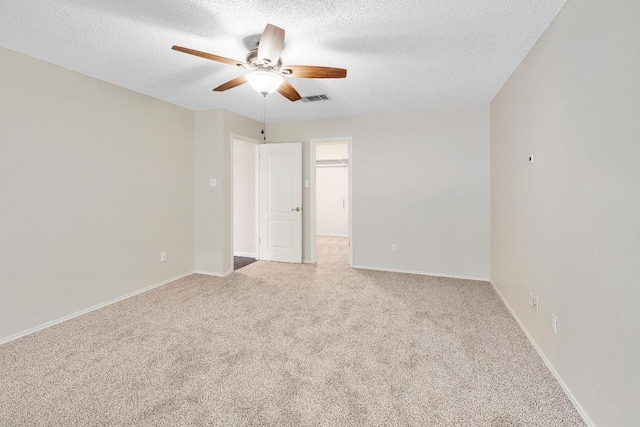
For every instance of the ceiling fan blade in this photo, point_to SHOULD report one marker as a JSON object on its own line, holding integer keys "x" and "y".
{"x": 231, "y": 84}
{"x": 208, "y": 56}
{"x": 288, "y": 91}
{"x": 271, "y": 44}
{"x": 314, "y": 72}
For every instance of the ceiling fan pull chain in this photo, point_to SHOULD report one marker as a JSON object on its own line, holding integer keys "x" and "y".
{"x": 264, "y": 135}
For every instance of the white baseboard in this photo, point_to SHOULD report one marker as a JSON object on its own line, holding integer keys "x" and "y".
{"x": 244, "y": 254}
{"x": 90, "y": 309}
{"x": 211, "y": 273}
{"x": 332, "y": 235}
{"x": 422, "y": 273}
{"x": 557, "y": 376}
{"x": 307, "y": 261}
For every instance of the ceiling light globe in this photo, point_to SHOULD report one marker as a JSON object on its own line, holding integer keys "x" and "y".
{"x": 264, "y": 82}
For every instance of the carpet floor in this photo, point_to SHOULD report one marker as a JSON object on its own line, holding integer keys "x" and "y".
{"x": 287, "y": 345}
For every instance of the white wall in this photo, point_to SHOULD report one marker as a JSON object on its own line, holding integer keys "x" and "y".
{"x": 95, "y": 182}
{"x": 213, "y": 210}
{"x": 244, "y": 198}
{"x": 332, "y": 190}
{"x": 420, "y": 180}
{"x": 567, "y": 226}
{"x": 209, "y": 227}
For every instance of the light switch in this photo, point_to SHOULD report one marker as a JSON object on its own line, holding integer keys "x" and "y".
{"x": 306, "y": 184}
{"x": 213, "y": 182}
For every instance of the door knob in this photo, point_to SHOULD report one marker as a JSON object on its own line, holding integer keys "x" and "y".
{"x": 296, "y": 209}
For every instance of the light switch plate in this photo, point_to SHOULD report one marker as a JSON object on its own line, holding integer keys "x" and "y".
{"x": 213, "y": 182}
{"x": 530, "y": 299}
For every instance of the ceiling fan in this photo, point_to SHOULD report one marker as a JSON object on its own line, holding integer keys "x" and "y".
{"x": 268, "y": 70}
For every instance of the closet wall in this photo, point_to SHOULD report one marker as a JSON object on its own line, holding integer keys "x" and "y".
{"x": 244, "y": 198}
{"x": 332, "y": 189}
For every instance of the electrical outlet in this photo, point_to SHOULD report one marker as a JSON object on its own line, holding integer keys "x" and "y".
{"x": 554, "y": 323}
{"x": 536, "y": 304}
{"x": 394, "y": 248}
{"x": 530, "y": 299}
{"x": 163, "y": 257}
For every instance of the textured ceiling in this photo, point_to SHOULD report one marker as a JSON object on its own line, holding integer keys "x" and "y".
{"x": 401, "y": 55}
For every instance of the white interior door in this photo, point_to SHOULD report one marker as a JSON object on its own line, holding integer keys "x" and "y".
{"x": 281, "y": 202}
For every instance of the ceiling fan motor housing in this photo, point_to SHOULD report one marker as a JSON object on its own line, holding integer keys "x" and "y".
{"x": 254, "y": 62}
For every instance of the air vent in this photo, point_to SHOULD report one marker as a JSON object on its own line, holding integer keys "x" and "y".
{"x": 315, "y": 98}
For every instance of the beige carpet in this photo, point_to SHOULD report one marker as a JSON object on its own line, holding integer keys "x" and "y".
{"x": 287, "y": 345}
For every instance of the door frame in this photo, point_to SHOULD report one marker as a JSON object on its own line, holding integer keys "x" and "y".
{"x": 256, "y": 214}
{"x": 312, "y": 193}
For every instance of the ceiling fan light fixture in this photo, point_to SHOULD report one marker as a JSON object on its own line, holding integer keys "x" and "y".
{"x": 266, "y": 62}
{"x": 264, "y": 82}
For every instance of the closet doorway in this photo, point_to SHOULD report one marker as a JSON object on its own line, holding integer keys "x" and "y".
{"x": 244, "y": 177}
{"x": 331, "y": 213}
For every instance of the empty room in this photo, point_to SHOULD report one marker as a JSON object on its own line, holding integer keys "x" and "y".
{"x": 336, "y": 213}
